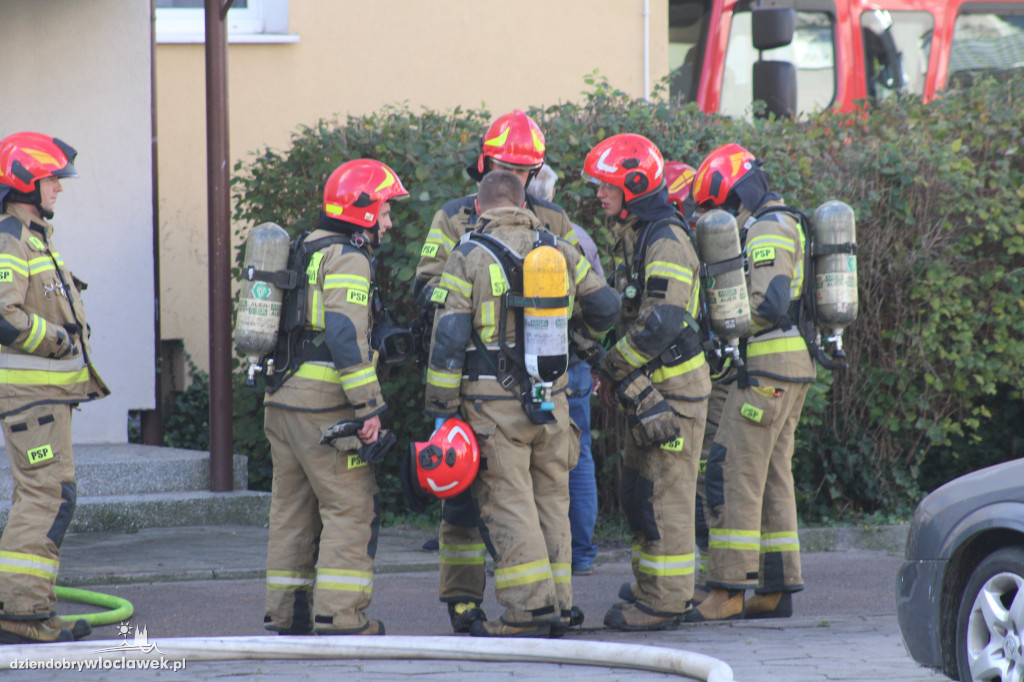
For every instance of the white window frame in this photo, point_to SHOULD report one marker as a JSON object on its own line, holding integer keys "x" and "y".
{"x": 262, "y": 21}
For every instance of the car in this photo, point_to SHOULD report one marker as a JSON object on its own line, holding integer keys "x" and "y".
{"x": 960, "y": 591}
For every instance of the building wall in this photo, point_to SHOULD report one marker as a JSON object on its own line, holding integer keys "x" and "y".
{"x": 354, "y": 57}
{"x": 81, "y": 71}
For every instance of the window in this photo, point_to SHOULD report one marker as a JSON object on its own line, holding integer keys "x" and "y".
{"x": 896, "y": 50}
{"x": 812, "y": 52}
{"x": 986, "y": 44}
{"x": 184, "y": 21}
{"x": 687, "y": 29}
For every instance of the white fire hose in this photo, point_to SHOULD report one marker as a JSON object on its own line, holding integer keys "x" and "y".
{"x": 602, "y": 654}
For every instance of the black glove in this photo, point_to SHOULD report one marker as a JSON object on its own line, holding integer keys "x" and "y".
{"x": 587, "y": 349}
{"x": 652, "y": 421}
{"x": 370, "y": 453}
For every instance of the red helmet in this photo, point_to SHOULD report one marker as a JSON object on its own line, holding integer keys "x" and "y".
{"x": 357, "y": 189}
{"x": 28, "y": 157}
{"x": 679, "y": 177}
{"x": 444, "y": 466}
{"x": 514, "y": 139}
{"x": 719, "y": 174}
{"x": 630, "y": 162}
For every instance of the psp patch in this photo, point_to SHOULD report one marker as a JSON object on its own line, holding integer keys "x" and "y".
{"x": 6, "y": 276}
{"x": 40, "y": 454}
{"x": 673, "y": 445}
{"x": 354, "y": 462}
{"x": 763, "y": 257}
{"x": 438, "y": 295}
{"x": 754, "y": 414}
{"x": 357, "y": 296}
{"x": 429, "y": 249}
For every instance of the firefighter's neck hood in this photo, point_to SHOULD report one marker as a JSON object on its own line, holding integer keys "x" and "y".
{"x": 653, "y": 206}
{"x": 370, "y": 236}
{"x": 752, "y": 190}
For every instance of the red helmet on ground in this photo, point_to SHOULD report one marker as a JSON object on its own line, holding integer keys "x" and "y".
{"x": 357, "y": 190}
{"x": 514, "y": 139}
{"x": 630, "y": 162}
{"x": 719, "y": 174}
{"x": 28, "y": 157}
{"x": 444, "y": 466}
{"x": 679, "y": 177}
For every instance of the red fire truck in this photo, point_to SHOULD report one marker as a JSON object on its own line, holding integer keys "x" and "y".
{"x": 802, "y": 56}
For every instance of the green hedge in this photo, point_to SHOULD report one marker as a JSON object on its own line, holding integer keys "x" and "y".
{"x": 935, "y": 384}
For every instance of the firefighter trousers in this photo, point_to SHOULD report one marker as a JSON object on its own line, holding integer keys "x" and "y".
{"x": 324, "y": 519}
{"x": 753, "y": 540}
{"x": 716, "y": 403}
{"x": 462, "y": 551}
{"x": 522, "y": 491}
{"x": 39, "y": 447}
{"x": 658, "y": 493}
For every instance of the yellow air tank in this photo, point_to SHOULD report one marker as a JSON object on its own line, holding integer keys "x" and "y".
{"x": 546, "y": 329}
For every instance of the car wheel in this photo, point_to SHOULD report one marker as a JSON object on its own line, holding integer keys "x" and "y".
{"x": 990, "y": 620}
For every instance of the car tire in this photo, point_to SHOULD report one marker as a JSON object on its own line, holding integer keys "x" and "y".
{"x": 990, "y": 620}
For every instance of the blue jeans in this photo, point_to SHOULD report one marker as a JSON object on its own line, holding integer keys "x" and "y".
{"x": 582, "y": 483}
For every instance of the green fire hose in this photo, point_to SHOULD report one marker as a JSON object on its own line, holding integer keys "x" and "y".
{"x": 119, "y": 609}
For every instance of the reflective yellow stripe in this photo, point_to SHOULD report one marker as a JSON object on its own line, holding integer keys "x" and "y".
{"x": 313, "y": 269}
{"x": 562, "y": 573}
{"x": 346, "y": 281}
{"x": 726, "y": 538}
{"x": 487, "y": 319}
{"x": 443, "y": 379}
{"x": 660, "y": 268}
{"x": 768, "y": 240}
{"x": 786, "y": 344}
{"x": 668, "y": 564}
{"x": 35, "y": 335}
{"x": 317, "y": 372}
{"x": 41, "y": 377}
{"x": 339, "y": 579}
{"x": 630, "y": 354}
{"x": 439, "y": 237}
{"x": 523, "y": 574}
{"x": 290, "y": 581}
{"x": 28, "y": 564}
{"x": 359, "y": 378}
{"x": 316, "y": 309}
{"x": 664, "y": 373}
{"x": 572, "y": 238}
{"x": 18, "y": 265}
{"x": 634, "y": 554}
{"x": 582, "y": 268}
{"x": 463, "y": 555}
{"x": 786, "y": 541}
{"x": 453, "y": 283}
{"x": 38, "y": 265}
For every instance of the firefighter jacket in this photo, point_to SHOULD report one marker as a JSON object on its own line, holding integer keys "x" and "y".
{"x": 657, "y": 331}
{"x": 469, "y": 294}
{"x": 341, "y": 372}
{"x": 458, "y": 217}
{"x": 774, "y": 250}
{"x": 45, "y": 355}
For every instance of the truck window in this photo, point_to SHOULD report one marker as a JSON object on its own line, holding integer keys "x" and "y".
{"x": 896, "y": 47}
{"x": 687, "y": 28}
{"x": 986, "y": 44}
{"x": 812, "y": 52}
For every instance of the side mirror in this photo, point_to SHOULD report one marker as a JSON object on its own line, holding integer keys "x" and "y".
{"x": 771, "y": 27}
{"x": 775, "y": 85}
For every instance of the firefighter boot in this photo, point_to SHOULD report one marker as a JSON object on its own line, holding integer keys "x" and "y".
{"x": 570, "y": 619}
{"x": 499, "y": 628}
{"x": 372, "y": 627}
{"x": 636, "y": 617}
{"x": 80, "y": 629}
{"x": 774, "y": 605}
{"x": 32, "y": 632}
{"x": 463, "y": 614}
{"x": 700, "y": 593}
{"x": 719, "y": 605}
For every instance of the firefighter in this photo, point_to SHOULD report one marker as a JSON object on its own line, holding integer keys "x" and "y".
{"x": 657, "y": 370}
{"x": 515, "y": 143}
{"x": 46, "y": 369}
{"x": 753, "y": 539}
{"x": 324, "y": 512}
{"x": 526, "y": 447}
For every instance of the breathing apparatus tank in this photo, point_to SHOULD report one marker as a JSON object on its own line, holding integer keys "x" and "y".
{"x": 545, "y": 329}
{"x": 725, "y": 284}
{"x": 259, "y": 307}
{"x": 835, "y": 270}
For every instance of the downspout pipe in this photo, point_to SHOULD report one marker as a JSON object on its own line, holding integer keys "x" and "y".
{"x": 647, "y": 50}
{"x": 218, "y": 244}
